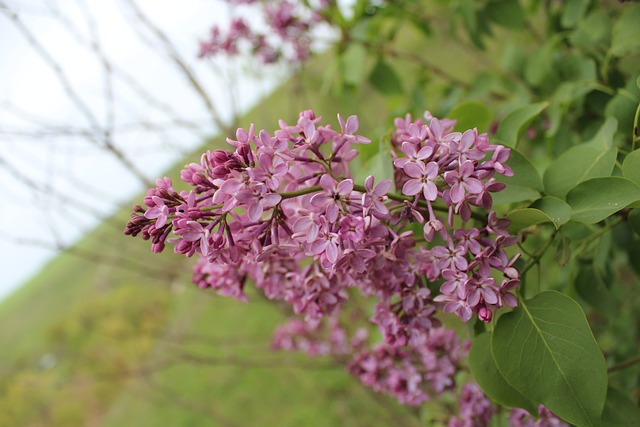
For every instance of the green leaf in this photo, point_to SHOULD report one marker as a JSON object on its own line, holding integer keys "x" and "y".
{"x": 514, "y": 194}
{"x": 631, "y": 166}
{"x": 593, "y": 290}
{"x": 545, "y": 350}
{"x": 556, "y": 209}
{"x": 353, "y": 64}
{"x": 384, "y": 78}
{"x": 516, "y": 122}
{"x": 524, "y": 173}
{"x": 507, "y": 13}
{"x": 619, "y": 410}
{"x": 592, "y": 159}
{"x": 471, "y": 114}
{"x": 486, "y": 373}
{"x": 634, "y": 220}
{"x": 625, "y": 37}
{"x": 596, "y": 199}
{"x": 380, "y": 166}
{"x": 540, "y": 66}
{"x": 523, "y": 218}
{"x": 593, "y": 32}
{"x": 573, "y": 12}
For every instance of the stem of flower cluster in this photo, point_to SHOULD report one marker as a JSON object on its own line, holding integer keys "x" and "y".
{"x": 393, "y": 196}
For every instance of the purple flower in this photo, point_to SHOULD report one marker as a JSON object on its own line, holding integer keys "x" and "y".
{"x": 258, "y": 200}
{"x": 333, "y": 195}
{"x": 374, "y": 198}
{"x": 462, "y": 180}
{"x": 159, "y": 212}
{"x": 423, "y": 177}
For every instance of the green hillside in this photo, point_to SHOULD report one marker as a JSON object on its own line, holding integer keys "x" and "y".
{"x": 109, "y": 334}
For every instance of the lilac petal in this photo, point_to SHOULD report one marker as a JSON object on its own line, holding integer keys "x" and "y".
{"x": 489, "y": 296}
{"x": 341, "y": 121}
{"x": 430, "y": 191}
{"x": 271, "y": 199}
{"x": 345, "y": 187}
{"x": 464, "y": 313}
{"x": 153, "y": 213}
{"x": 319, "y": 200}
{"x": 380, "y": 207}
{"x": 408, "y": 149}
{"x": 468, "y": 138}
{"x": 368, "y": 183}
{"x": 461, "y": 263}
{"x": 327, "y": 183}
{"x": 255, "y": 211}
{"x": 329, "y": 299}
{"x": 383, "y": 187}
{"x": 204, "y": 247}
{"x": 231, "y": 186}
{"x": 473, "y": 185}
{"x": 265, "y": 161}
{"x": 302, "y": 224}
{"x": 448, "y": 287}
{"x": 242, "y": 135}
{"x": 509, "y": 300}
{"x": 412, "y": 187}
{"x": 425, "y": 152}
{"x": 436, "y": 128}
{"x": 317, "y": 247}
{"x": 332, "y": 212}
{"x": 457, "y": 193}
{"x": 432, "y": 170}
{"x": 352, "y": 124}
{"x": 265, "y": 139}
{"x": 332, "y": 252}
{"x": 467, "y": 168}
{"x": 414, "y": 170}
{"x": 312, "y": 233}
{"x": 246, "y": 196}
{"x": 473, "y": 298}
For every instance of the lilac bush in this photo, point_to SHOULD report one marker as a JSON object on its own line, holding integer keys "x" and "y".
{"x": 286, "y": 32}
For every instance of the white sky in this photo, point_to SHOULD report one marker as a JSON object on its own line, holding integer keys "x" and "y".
{"x": 70, "y": 165}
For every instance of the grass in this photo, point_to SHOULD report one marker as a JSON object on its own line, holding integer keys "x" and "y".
{"x": 135, "y": 344}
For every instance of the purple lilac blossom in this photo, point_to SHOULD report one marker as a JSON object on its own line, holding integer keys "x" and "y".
{"x": 285, "y": 214}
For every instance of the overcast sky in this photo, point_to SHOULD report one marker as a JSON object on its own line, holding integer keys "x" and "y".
{"x": 69, "y": 165}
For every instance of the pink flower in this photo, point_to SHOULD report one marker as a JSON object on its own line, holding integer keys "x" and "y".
{"x": 373, "y": 199}
{"x": 159, "y": 212}
{"x": 423, "y": 177}
{"x": 333, "y": 195}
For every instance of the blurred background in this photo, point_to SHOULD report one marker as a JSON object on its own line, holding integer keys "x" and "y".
{"x": 97, "y": 100}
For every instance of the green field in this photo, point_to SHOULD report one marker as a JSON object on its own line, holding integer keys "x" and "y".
{"x": 109, "y": 334}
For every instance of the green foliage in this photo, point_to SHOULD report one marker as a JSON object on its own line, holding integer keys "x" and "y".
{"x": 486, "y": 373}
{"x": 597, "y": 199}
{"x": 471, "y": 114}
{"x": 514, "y": 124}
{"x": 545, "y": 350}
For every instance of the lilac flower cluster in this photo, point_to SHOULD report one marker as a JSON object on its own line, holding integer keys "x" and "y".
{"x": 288, "y": 35}
{"x": 475, "y": 410}
{"x": 546, "y": 418}
{"x": 283, "y": 213}
{"x": 413, "y": 373}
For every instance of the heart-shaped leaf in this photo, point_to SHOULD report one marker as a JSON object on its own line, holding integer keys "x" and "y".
{"x": 514, "y": 124}
{"x": 596, "y": 199}
{"x": 489, "y": 378}
{"x": 545, "y": 350}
